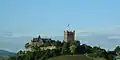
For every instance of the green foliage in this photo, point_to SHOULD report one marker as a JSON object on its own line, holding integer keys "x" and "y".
{"x": 73, "y": 46}
{"x": 62, "y": 48}
{"x": 73, "y": 49}
{"x": 12, "y": 58}
{"x": 65, "y": 49}
{"x": 99, "y": 52}
{"x": 117, "y": 49}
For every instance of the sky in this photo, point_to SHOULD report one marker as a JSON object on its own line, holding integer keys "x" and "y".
{"x": 51, "y": 17}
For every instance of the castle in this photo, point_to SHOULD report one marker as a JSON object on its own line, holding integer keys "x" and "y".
{"x": 69, "y": 36}
{"x": 38, "y": 41}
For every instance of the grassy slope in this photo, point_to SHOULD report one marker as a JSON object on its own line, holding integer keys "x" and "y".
{"x": 70, "y": 57}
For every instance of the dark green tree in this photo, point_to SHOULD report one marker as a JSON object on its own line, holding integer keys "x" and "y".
{"x": 65, "y": 48}
{"x": 117, "y": 49}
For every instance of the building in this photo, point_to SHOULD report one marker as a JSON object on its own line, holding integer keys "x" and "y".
{"x": 69, "y": 36}
{"x": 38, "y": 41}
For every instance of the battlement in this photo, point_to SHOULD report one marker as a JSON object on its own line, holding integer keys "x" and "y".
{"x": 70, "y": 31}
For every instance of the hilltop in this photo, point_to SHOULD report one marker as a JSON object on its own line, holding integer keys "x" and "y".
{"x": 45, "y": 48}
{"x": 71, "y": 57}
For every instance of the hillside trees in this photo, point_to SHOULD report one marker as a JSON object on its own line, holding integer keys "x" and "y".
{"x": 73, "y": 47}
{"x": 117, "y": 49}
{"x": 65, "y": 48}
{"x": 62, "y": 48}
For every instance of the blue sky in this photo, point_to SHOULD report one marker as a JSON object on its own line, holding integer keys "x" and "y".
{"x": 95, "y": 21}
{"x": 50, "y": 17}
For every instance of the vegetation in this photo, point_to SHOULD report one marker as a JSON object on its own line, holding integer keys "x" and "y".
{"x": 71, "y": 57}
{"x": 3, "y": 57}
{"x": 62, "y": 49}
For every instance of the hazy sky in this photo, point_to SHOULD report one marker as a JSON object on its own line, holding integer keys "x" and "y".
{"x": 50, "y": 17}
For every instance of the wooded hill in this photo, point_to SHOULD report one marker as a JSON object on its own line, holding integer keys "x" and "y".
{"x": 64, "y": 48}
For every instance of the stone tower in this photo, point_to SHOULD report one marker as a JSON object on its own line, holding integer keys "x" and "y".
{"x": 69, "y": 36}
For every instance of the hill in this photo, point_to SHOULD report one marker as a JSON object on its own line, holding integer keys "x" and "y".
{"x": 71, "y": 57}
{"x": 6, "y": 53}
{"x": 3, "y": 58}
{"x": 13, "y": 43}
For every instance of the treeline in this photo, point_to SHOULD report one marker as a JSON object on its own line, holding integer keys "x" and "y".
{"x": 63, "y": 48}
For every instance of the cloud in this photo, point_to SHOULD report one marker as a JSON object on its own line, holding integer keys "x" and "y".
{"x": 106, "y": 30}
{"x": 6, "y": 33}
{"x": 113, "y": 37}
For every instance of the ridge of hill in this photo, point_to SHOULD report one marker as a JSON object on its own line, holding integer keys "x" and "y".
{"x": 71, "y": 57}
{"x": 75, "y": 57}
{"x": 6, "y": 53}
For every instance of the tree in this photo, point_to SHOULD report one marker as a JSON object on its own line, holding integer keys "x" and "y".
{"x": 111, "y": 55}
{"x": 77, "y": 43}
{"x": 99, "y": 52}
{"x": 65, "y": 48}
{"x": 73, "y": 49}
{"x": 73, "y": 46}
{"x": 117, "y": 49}
{"x": 12, "y": 58}
{"x": 58, "y": 43}
{"x": 83, "y": 49}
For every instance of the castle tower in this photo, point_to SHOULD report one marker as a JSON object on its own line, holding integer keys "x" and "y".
{"x": 69, "y": 35}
